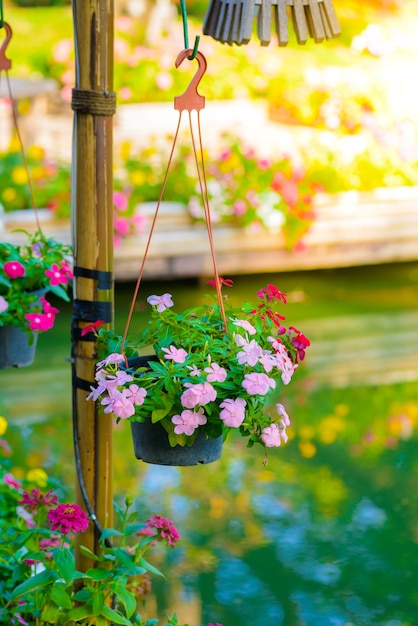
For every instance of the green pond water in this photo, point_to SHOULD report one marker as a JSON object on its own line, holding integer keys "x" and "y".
{"x": 327, "y": 533}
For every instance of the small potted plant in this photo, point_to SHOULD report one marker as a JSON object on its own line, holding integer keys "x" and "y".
{"x": 27, "y": 273}
{"x": 211, "y": 373}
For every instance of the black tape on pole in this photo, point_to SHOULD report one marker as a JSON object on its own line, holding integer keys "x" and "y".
{"x": 104, "y": 279}
{"x": 91, "y": 311}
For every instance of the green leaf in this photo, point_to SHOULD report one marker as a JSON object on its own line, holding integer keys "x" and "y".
{"x": 110, "y": 532}
{"x": 150, "y": 568}
{"x": 115, "y": 616}
{"x": 159, "y": 414}
{"x": 65, "y": 562}
{"x": 49, "y": 613}
{"x": 34, "y": 582}
{"x": 86, "y": 552}
{"x": 128, "y": 599}
{"x": 98, "y": 603}
{"x": 80, "y": 613}
{"x": 59, "y": 595}
{"x": 99, "y": 573}
{"x": 84, "y": 595}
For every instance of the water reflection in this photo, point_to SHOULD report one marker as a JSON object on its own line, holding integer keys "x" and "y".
{"x": 327, "y": 533}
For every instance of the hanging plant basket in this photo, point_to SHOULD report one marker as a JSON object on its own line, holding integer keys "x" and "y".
{"x": 151, "y": 443}
{"x": 17, "y": 348}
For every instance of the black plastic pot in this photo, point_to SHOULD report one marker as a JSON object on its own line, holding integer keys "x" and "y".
{"x": 15, "y": 350}
{"x": 151, "y": 443}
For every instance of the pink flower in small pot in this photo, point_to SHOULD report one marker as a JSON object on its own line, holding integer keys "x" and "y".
{"x": 187, "y": 422}
{"x": 57, "y": 275}
{"x": 271, "y": 436}
{"x": 14, "y": 269}
{"x": 178, "y": 355}
{"x": 4, "y": 305}
{"x": 40, "y": 321}
{"x": 258, "y": 384}
{"x": 202, "y": 393}
{"x": 161, "y": 302}
{"x": 68, "y": 518}
{"x": 233, "y": 412}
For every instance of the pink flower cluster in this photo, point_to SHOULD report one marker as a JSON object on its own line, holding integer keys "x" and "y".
{"x": 68, "y": 518}
{"x": 273, "y": 435}
{"x": 162, "y": 529}
{"x": 121, "y": 403}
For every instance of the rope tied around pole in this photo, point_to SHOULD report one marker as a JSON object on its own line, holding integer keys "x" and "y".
{"x": 93, "y": 102}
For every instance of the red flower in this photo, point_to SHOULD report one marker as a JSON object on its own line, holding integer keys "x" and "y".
{"x": 14, "y": 269}
{"x": 228, "y": 282}
{"x": 272, "y": 293}
{"x": 162, "y": 528}
{"x": 300, "y": 342}
{"x": 67, "y": 518}
{"x": 91, "y": 328}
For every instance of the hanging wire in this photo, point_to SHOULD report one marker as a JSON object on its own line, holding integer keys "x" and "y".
{"x": 186, "y": 32}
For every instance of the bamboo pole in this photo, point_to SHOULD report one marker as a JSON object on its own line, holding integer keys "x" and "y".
{"x": 92, "y": 229}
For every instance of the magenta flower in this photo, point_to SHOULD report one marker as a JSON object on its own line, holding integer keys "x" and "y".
{"x": 48, "y": 308}
{"x": 162, "y": 528}
{"x": 271, "y": 436}
{"x": 3, "y": 304}
{"x": 57, "y": 275}
{"x": 161, "y": 302}
{"x": 68, "y": 518}
{"x": 233, "y": 412}
{"x": 136, "y": 394}
{"x": 202, "y": 394}
{"x": 120, "y": 201}
{"x": 178, "y": 355}
{"x": 21, "y": 620}
{"x": 36, "y": 498}
{"x": 40, "y": 321}
{"x": 257, "y": 384}
{"x": 215, "y": 373}
{"x": 11, "y": 481}
{"x": 250, "y": 353}
{"x": 14, "y": 269}
{"x": 245, "y": 325}
{"x": 272, "y": 293}
{"x": 188, "y": 421}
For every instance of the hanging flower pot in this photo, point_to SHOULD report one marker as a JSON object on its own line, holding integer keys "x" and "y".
{"x": 212, "y": 374}
{"x": 27, "y": 273}
{"x": 17, "y": 348}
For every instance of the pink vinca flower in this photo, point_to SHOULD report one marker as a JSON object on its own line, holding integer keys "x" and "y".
{"x": 178, "y": 355}
{"x": 285, "y": 421}
{"x": 188, "y": 421}
{"x": 202, "y": 394}
{"x": 245, "y": 325}
{"x": 48, "y": 308}
{"x": 233, "y": 412}
{"x": 258, "y": 384}
{"x": 14, "y": 269}
{"x": 136, "y": 394}
{"x": 123, "y": 407}
{"x": 68, "y": 518}
{"x": 4, "y": 305}
{"x": 194, "y": 370}
{"x": 40, "y": 321}
{"x": 57, "y": 275}
{"x": 215, "y": 373}
{"x": 250, "y": 353}
{"x": 161, "y": 302}
{"x": 115, "y": 357}
{"x": 271, "y": 436}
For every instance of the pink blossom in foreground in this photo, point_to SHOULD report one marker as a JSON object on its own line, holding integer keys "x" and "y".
{"x": 14, "y": 269}
{"x": 178, "y": 355}
{"x": 123, "y": 407}
{"x": 215, "y": 373}
{"x": 245, "y": 325}
{"x": 136, "y": 394}
{"x": 68, "y": 518}
{"x": 11, "y": 481}
{"x": 162, "y": 528}
{"x": 202, "y": 393}
{"x": 110, "y": 401}
{"x": 270, "y": 436}
{"x": 187, "y": 422}
{"x": 57, "y": 275}
{"x": 233, "y": 412}
{"x": 3, "y": 304}
{"x": 161, "y": 302}
{"x": 257, "y": 384}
